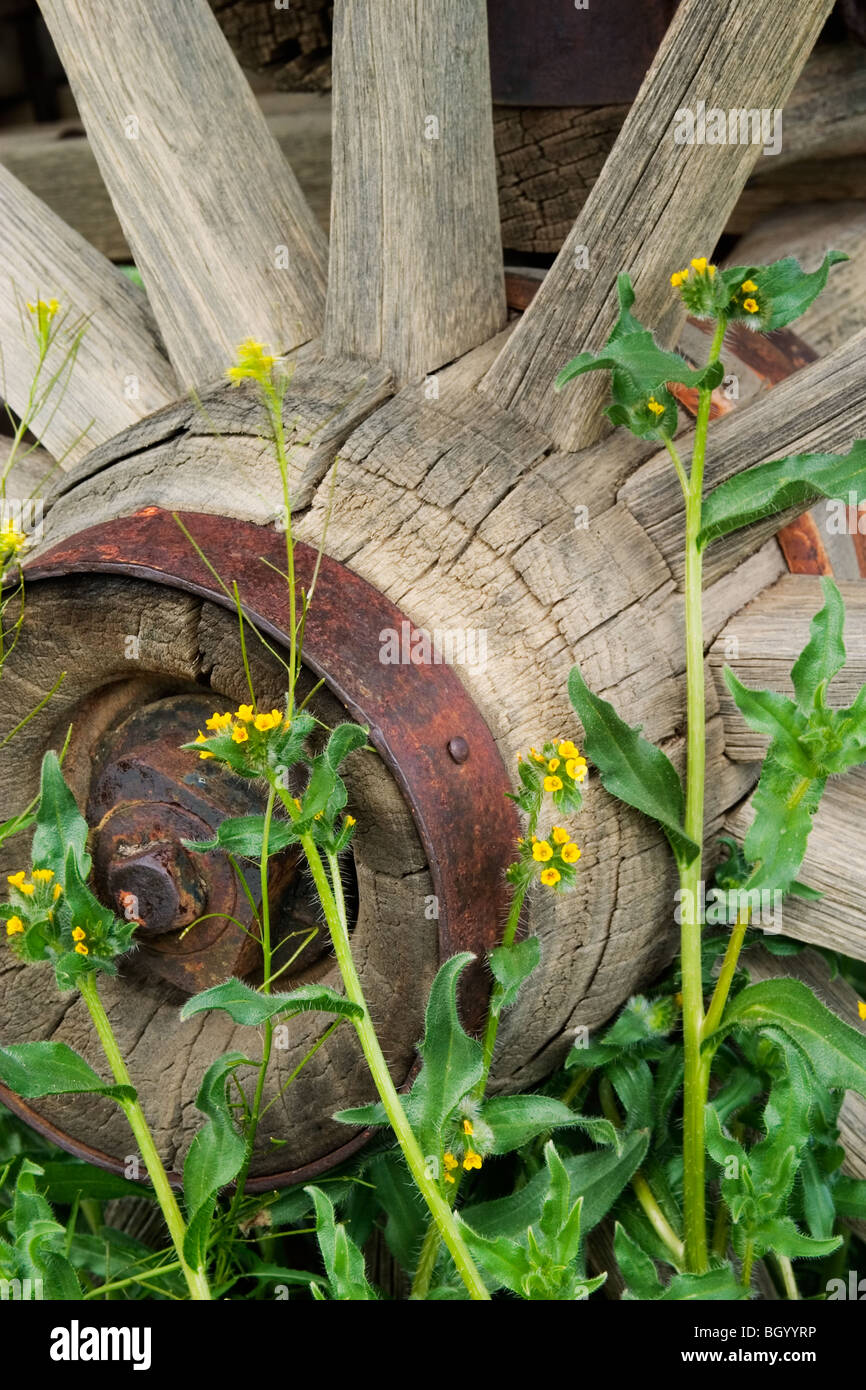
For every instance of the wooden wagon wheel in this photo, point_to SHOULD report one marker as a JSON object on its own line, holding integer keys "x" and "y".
{"x": 448, "y": 468}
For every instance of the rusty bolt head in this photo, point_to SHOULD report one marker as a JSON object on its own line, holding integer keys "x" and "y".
{"x": 458, "y": 748}
{"x": 158, "y": 888}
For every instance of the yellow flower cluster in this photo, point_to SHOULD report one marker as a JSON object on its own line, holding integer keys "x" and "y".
{"x": 562, "y": 848}
{"x": 253, "y": 363}
{"x": 240, "y": 723}
{"x": 655, "y": 406}
{"x": 36, "y": 887}
{"x": 569, "y": 761}
{"x": 79, "y": 937}
{"x": 42, "y": 310}
{"x": 471, "y": 1160}
{"x": 11, "y": 541}
{"x": 701, "y": 267}
{"x": 750, "y": 304}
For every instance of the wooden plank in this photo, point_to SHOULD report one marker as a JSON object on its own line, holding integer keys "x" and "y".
{"x": 56, "y": 162}
{"x": 225, "y": 242}
{"x": 762, "y": 642}
{"x": 121, "y": 372}
{"x": 821, "y": 407}
{"x": 415, "y": 273}
{"x": 655, "y": 204}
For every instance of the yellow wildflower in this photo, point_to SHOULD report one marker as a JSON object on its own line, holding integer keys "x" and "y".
{"x": 471, "y": 1160}
{"x": 679, "y": 277}
{"x": 750, "y": 306}
{"x": 861, "y": 1007}
{"x": 700, "y": 264}
{"x": 11, "y": 541}
{"x": 655, "y": 407}
{"x": 265, "y": 722}
{"x": 245, "y": 713}
{"x": 19, "y": 881}
{"x": 567, "y": 749}
{"x": 560, "y": 836}
{"x": 536, "y": 756}
{"x": 553, "y": 784}
{"x": 78, "y": 934}
{"x": 43, "y": 875}
{"x": 58, "y": 889}
{"x": 450, "y": 1162}
{"x": 550, "y": 876}
{"x": 13, "y": 925}
{"x": 252, "y": 361}
{"x": 350, "y": 820}
{"x": 239, "y": 734}
{"x": 748, "y": 287}
{"x": 218, "y": 722}
{"x": 576, "y": 769}
{"x": 570, "y": 854}
{"x": 81, "y": 949}
{"x": 553, "y": 765}
{"x": 467, "y": 1127}
{"x": 201, "y": 739}
{"x": 542, "y": 851}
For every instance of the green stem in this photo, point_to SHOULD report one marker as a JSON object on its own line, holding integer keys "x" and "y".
{"x": 641, "y": 1188}
{"x": 726, "y": 974}
{"x": 439, "y": 1208}
{"x": 696, "y": 1075}
{"x": 196, "y": 1278}
{"x": 748, "y": 1260}
{"x": 488, "y": 1045}
{"x": 789, "y": 1279}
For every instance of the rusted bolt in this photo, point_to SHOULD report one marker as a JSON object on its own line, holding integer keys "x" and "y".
{"x": 159, "y": 888}
{"x": 458, "y": 748}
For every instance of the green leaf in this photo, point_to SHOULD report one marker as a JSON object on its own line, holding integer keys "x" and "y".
{"x": 343, "y": 741}
{"x": 215, "y": 1155}
{"x": 53, "y": 1069}
{"x": 849, "y": 1197}
{"x": 343, "y": 1261}
{"x": 824, "y": 654}
{"x": 780, "y": 1235}
{"x": 637, "y": 1268}
{"x": 713, "y": 1286}
{"x": 67, "y": 1180}
{"x": 784, "y": 804}
{"x": 248, "y": 1006}
{"x": 511, "y": 966}
{"x": 771, "y": 488}
{"x": 397, "y": 1196}
{"x": 60, "y": 826}
{"x": 631, "y": 768}
{"x": 452, "y": 1060}
{"x": 835, "y": 1050}
{"x": 785, "y": 289}
{"x": 40, "y": 1239}
{"x": 244, "y": 835}
{"x": 515, "y": 1120}
{"x": 777, "y": 716}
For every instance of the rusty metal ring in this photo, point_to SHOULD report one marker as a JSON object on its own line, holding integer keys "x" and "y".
{"x": 422, "y": 722}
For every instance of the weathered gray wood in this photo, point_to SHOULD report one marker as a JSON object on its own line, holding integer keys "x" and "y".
{"x": 656, "y": 203}
{"x": 762, "y": 642}
{"x": 56, "y": 162}
{"x": 120, "y": 373}
{"x": 821, "y": 407}
{"x": 415, "y": 274}
{"x": 224, "y": 239}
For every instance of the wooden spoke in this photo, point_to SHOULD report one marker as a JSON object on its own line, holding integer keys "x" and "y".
{"x": 219, "y": 228}
{"x": 416, "y": 264}
{"x": 821, "y": 407}
{"x": 656, "y": 203}
{"x": 120, "y": 372}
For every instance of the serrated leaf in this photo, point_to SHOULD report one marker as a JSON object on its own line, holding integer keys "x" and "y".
{"x": 777, "y": 716}
{"x": 784, "y": 804}
{"x": 343, "y": 741}
{"x": 770, "y": 488}
{"x": 343, "y": 1261}
{"x": 637, "y": 1268}
{"x": 835, "y": 1050}
{"x": 215, "y": 1155}
{"x": 784, "y": 286}
{"x": 251, "y": 1008}
{"x": 244, "y": 835}
{"x": 60, "y": 826}
{"x": 631, "y": 768}
{"x": 824, "y": 653}
{"x": 452, "y": 1061}
{"x": 515, "y": 1120}
{"x": 54, "y": 1069}
{"x": 511, "y": 966}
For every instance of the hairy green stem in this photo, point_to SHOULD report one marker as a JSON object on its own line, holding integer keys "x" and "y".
{"x": 726, "y": 974}
{"x": 387, "y": 1091}
{"x": 788, "y": 1277}
{"x": 196, "y": 1278}
{"x": 488, "y": 1045}
{"x": 696, "y": 1075}
{"x": 641, "y": 1188}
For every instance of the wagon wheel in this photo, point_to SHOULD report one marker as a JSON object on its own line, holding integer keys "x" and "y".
{"x": 450, "y": 474}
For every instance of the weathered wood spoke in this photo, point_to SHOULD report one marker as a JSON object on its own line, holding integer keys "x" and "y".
{"x": 225, "y": 241}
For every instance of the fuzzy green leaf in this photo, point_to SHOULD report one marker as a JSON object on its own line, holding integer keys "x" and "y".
{"x": 60, "y": 826}
{"x": 511, "y": 966}
{"x": 783, "y": 287}
{"x": 452, "y": 1061}
{"x": 515, "y": 1120}
{"x": 631, "y": 768}
{"x": 835, "y": 1050}
{"x": 248, "y": 1006}
{"x": 771, "y": 488}
{"x": 824, "y": 653}
{"x": 244, "y": 835}
{"x": 53, "y": 1069}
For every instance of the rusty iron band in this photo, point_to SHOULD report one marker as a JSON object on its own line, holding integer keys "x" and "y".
{"x": 422, "y": 722}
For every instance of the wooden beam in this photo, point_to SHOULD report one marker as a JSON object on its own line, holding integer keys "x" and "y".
{"x": 120, "y": 373}
{"x": 225, "y": 242}
{"x": 416, "y": 264}
{"x": 656, "y": 203}
{"x": 821, "y": 407}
